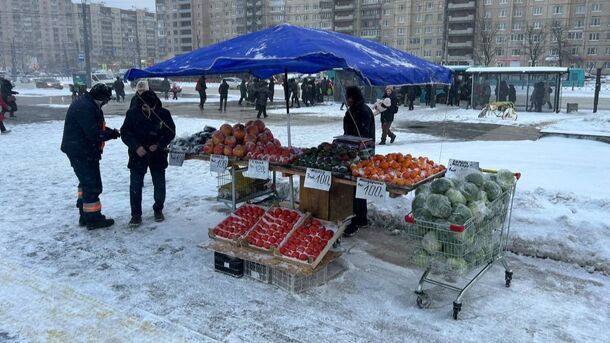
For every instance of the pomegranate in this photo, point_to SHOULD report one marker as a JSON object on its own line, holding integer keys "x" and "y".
{"x": 228, "y": 151}
{"x": 239, "y": 131}
{"x": 226, "y": 130}
{"x": 208, "y": 147}
{"x": 263, "y": 138}
{"x": 218, "y": 137}
{"x": 219, "y": 149}
{"x": 231, "y": 141}
{"x": 252, "y": 130}
{"x": 239, "y": 151}
{"x": 250, "y": 138}
{"x": 260, "y": 124}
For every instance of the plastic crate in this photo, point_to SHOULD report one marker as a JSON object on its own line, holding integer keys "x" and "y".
{"x": 294, "y": 283}
{"x": 229, "y": 265}
{"x": 245, "y": 187}
{"x": 258, "y": 272}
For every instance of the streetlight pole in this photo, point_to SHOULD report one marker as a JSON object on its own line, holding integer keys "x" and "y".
{"x": 86, "y": 43}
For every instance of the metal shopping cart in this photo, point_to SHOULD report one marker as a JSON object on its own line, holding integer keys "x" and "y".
{"x": 461, "y": 249}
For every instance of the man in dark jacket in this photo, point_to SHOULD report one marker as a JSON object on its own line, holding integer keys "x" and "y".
{"x": 261, "y": 94}
{"x": 201, "y": 87}
{"x": 387, "y": 116}
{"x": 243, "y": 92}
{"x": 147, "y": 131}
{"x": 223, "y": 90}
{"x": 83, "y": 140}
{"x": 358, "y": 121}
{"x": 271, "y": 89}
{"x": 304, "y": 93}
{"x": 119, "y": 89}
{"x": 294, "y": 86}
{"x": 411, "y": 95}
{"x": 165, "y": 87}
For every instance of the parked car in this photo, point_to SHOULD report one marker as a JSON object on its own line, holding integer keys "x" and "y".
{"x": 100, "y": 77}
{"x": 154, "y": 83}
{"x": 233, "y": 82}
{"x": 48, "y": 82}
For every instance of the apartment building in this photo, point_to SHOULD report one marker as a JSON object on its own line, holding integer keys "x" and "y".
{"x": 49, "y": 35}
{"x": 442, "y": 31}
{"x": 175, "y": 26}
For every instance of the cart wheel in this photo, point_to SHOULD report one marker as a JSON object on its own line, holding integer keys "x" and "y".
{"x": 423, "y": 301}
{"x": 456, "y": 310}
{"x": 508, "y": 277}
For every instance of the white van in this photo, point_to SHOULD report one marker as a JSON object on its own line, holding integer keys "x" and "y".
{"x": 102, "y": 77}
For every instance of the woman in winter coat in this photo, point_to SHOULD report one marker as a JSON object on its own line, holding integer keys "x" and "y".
{"x": 387, "y": 116}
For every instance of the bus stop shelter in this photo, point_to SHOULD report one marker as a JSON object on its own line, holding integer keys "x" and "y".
{"x": 529, "y": 88}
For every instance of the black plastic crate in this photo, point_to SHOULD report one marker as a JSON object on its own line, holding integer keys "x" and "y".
{"x": 228, "y": 264}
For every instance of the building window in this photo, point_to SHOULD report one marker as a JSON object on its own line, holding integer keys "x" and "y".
{"x": 418, "y": 18}
{"x": 574, "y": 35}
{"x": 516, "y": 52}
{"x": 428, "y": 29}
{"x": 499, "y": 52}
{"x": 428, "y": 18}
{"x": 580, "y": 9}
{"x": 503, "y": 2}
{"x": 579, "y": 24}
{"x": 596, "y": 8}
{"x": 501, "y": 26}
{"x": 608, "y": 51}
{"x": 594, "y": 36}
{"x": 574, "y": 51}
{"x": 537, "y": 25}
{"x": 499, "y": 39}
{"x": 595, "y": 22}
{"x": 557, "y": 9}
{"x": 517, "y": 26}
{"x": 516, "y": 37}
{"x": 518, "y": 12}
{"x": 428, "y": 41}
{"x": 487, "y": 14}
{"x": 502, "y": 13}
{"x": 427, "y": 53}
{"x": 537, "y": 10}
{"x": 400, "y": 31}
{"x": 414, "y": 41}
{"x": 401, "y": 19}
{"x": 385, "y": 23}
{"x": 428, "y": 6}
{"x": 489, "y": 2}
{"x": 592, "y": 51}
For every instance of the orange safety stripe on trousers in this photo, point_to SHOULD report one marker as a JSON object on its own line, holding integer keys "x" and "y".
{"x": 92, "y": 207}
{"x": 103, "y": 144}
{"x": 79, "y": 193}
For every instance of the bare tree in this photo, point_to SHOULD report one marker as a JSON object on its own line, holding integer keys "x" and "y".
{"x": 485, "y": 49}
{"x": 559, "y": 40}
{"x": 534, "y": 43}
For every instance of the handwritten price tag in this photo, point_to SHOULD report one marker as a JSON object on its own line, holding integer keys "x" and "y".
{"x": 218, "y": 163}
{"x": 176, "y": 159}
{"x": 258, "y": 169}
{"x": 318, "y": 179}
{"x": 370, "y": 190}
{"x": 457, "y": 168}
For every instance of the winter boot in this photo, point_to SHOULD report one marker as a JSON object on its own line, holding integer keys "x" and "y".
{"x": 82, "y": 220}
{"x": 351, "y": 230}
{"x": 98, "y": 221}
{"x": 135, "y": 221}
{"x": 159, "y": 217}
{"x": 392, "y": 138}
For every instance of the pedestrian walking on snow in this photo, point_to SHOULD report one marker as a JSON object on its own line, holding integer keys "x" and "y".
{"x": 223, "y": 90}
{"x": 201, "y": 89}
{"x": 119, "y": 89}
{"x": 165, "y": 87}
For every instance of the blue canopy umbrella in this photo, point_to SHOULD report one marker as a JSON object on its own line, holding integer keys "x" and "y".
{"x": 286, "y": 48}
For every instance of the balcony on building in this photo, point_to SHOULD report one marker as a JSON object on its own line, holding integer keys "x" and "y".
{"x": 460, "y": 18}
{"x": 345, "y": 29}
{"x": 460, "y": 5}
{"x": 461, "y": 31}
{"x": 344, "y": 17}
{"x": 345, "y": 6}
{"x": 466, "y": 44}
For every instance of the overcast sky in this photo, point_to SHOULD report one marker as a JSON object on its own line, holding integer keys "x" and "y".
{"x": 127, "y": 4}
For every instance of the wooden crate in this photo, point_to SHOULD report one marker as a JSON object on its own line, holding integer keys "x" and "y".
{"x": 334, "y": 205}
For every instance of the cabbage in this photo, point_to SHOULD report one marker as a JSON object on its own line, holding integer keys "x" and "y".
{"x": 431, "y": 243}
{"x": 492, "y": 189}
{"x": 460, "y": 215}
{"x": 470, "y": 191}
{"x": 482, "y": 196}
{"x": 479, "y": 210}
{"x": 476, "y": 178}
{"x": 438, "y": 205}
{"x": 423, "y": 189}
{"x": 418, "y": 202}
{"x": 506, "y": 179}
{"x": 441, "y": 185}
{"x": 457, "y": 265}
{"x": 455, "y": 196}
{"x": 457, "y": 184}
{"x": 422, "y": 214}
{"x": 421, "y": 258}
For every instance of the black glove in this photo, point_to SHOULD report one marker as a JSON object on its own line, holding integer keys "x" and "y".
{"x": 116, "y": 134}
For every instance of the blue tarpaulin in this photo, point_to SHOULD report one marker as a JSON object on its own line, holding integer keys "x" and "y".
{"x": 301, "y": 50}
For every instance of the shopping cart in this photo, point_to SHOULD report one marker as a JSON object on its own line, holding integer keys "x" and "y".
{"x": 477, "y": 245}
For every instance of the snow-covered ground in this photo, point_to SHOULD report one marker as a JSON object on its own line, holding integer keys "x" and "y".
{"x": 59, "y": 282}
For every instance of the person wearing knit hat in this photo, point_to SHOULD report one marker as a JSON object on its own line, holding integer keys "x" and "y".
{"x": 387, "y": 116}
{"x": 141, "y": 87}
{"x": 147, "y": 131}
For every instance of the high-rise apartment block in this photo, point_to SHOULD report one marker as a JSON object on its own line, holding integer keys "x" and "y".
{"x": 49, "y": 35}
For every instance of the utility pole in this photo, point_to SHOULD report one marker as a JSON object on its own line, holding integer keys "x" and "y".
{"x": 13, "y": 60}
{"x": 86, "y": 41}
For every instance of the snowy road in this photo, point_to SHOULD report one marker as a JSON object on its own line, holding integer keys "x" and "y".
{"x": 61, "y": 283}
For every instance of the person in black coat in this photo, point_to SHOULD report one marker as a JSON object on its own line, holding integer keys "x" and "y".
{"x": 411, "y": 95}
{"x": 358, "y": 121}
{"x": 83, "y": 140}
{"x": 223, "y": 90}
{"x": 387, "y": 116}
{"x": 261, "y": 94}
{"x": 294, "y": 87}
{"x": 165, "y": 87}
{"x": 243, "y": 92}
{"x": 512, "y": 94}
{"x": 147, "y": 131}
{"x": 305, "y": 93}
{"x": 201, "y": 87}
{"x": 119, "y": 89}
{"x": 271, "y": 89}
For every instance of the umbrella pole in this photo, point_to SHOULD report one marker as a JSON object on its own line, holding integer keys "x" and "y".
{"x": 291, "y": 186}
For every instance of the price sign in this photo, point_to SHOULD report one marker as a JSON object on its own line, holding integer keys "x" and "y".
{"x": 218, "y": 163}
{"x": 457, "y": 168}
{"x": 258, "y": 169}
{"x": 370, "y": 190}
{"x": 176, "y": 159}
{"x": 318, "y": 179}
